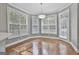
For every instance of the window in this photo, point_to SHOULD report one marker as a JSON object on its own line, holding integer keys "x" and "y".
{"x": 35, "y": 25}
{"x": 17, "y": 22}
{"x": 64, "y": 24}
{"x": 49, "y": 25}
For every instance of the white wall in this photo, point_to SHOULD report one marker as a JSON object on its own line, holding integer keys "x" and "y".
{"x": 74, "y": 24}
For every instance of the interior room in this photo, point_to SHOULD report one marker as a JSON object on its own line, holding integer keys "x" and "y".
{"x": 39, "y": 29}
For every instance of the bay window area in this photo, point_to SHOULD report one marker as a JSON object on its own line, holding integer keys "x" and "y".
{"x": 19, "y": 24}
{"x": 55, "y": 24}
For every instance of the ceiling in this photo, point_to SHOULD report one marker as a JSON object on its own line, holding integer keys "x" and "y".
{"x": 35, "y": 8}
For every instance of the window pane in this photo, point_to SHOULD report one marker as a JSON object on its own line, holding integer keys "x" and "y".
{"x": 64, "y": 24}
{"x": 35, "y": 25}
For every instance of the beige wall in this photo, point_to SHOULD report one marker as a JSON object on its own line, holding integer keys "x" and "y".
{"x": 74, "y": 24}
{"x": 3, "y": 21}
{"x": 3, "y": 24}
{"x": 78, "y": 27}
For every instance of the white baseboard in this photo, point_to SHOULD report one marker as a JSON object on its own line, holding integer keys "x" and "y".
{"x": 27, "y": 39}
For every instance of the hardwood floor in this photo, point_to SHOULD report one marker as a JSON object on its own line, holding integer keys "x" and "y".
{"x": 41, "y": 46}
